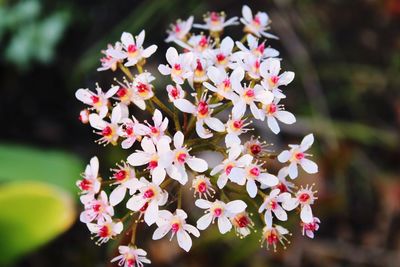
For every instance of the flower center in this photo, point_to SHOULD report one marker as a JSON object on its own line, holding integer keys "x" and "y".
{"x": 310, "y": 226}
{"x": 96, "y": 207}
{"x": 129, "y": 130}
{"x": 272, "y": 237}
{"x": 227, "y": 84}
{"x": 149, "y": 193}
{"x": 144, "y": 208}
{"x": 132, "y": 49}
{"x": 238, "y": 124}
{"x": 304, "y": 197}
{"x": 221, "y": 58}
{"x": 107, "y": 131}
{"x": 255, "y": 171}
{"x": 85, "y": 185}
{"x": 174, "y": 92}
{"x": 95, "y": 99}
{"x": 202, "y": 187}
{"x": 242, "y": 221}
{"x": 105, "y": 231}
{"x": 261, "y": 48}
{"x": 131, "y": 262}
{"x": 177, "y": 29}
{"x": 203, "y": 42}
{"x": 282, "y": 187}
{"x": 249, "y": 93}
{"x": 122, "y": 92}
{"x": 271, "y": 108}
{"x": 181, "y": 157}
{"x": 274, "y": 80}
{"x": 255, "y": 149}
{"x": 214, "y": 17}
{"x": 120, "y": 175}
{"x": 202, "y": 108}
{"x": 153, "y": 164}
{"x": 175, "y": 227}
{"x": 272, "y": 204}
{"x": 154, "y": 131}
{"x": 256, "y": 20}
{"x": 228, "y": 169}
{"x": 217, "y": 212}
{"x": 299, "y": 155}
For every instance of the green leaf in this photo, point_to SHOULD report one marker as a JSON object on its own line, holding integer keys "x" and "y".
{"x": 19, "y": 163}
{"x": 31, "y": 215}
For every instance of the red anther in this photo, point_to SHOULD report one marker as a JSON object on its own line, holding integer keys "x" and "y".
{"x": 149, "y": 193}
{"x": 202, "y": 108}
{"x": 107, "y": 131}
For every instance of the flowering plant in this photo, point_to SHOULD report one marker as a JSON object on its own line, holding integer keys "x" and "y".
{"x": 217, "y": 86}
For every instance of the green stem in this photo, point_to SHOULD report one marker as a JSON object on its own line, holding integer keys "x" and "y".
{"x": 176, "y": 120}
{"x": 162, "y": 106}
{"x": 125, "y": 70}
{"x": 179, "y": 205}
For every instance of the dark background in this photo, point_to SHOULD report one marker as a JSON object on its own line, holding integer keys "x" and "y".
{"x": 346, "y": 56}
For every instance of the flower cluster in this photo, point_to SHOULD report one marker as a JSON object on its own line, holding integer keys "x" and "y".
{"x": 217, "y": 87}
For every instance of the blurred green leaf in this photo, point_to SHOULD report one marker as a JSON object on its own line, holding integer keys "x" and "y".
{"x": 22, "y": 163}
{"x": 32, "y": 214}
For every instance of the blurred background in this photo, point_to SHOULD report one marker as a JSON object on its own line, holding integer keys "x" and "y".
{"x": 346, "y": 56}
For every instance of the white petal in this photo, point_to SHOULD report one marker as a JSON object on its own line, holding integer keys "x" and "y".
{"x": 151, "y": 213}
{"x": 227, "y": 45}
{"x": 203, "y": 204}
{"x": 306, "y": 214}
{"x": 237, "y": 175}
{"x": 251, "y": 188}
{"x": 273, "y": 124}
{"x": 117, "y": 195}
{"x": 197, "y": 164}
{"x": 246, "y": 12}
{"x": 204, "y": 221}
{"x": 161, "y": 232}
{"x": 172, "y": 55}
{"x": 164, "y": 69}
{"x": 236, "y": 206}
{"x": 268, "y": 179}
{"x": 290, "y": 204}
{"x": 184, "y": 240}
{"x": 96, "y": 122}
{"x": 191, "y": 229}
{"x": 284, "y": 156}
{"x": 215, "y": 75}
{"x": 138, "y": 159}
{"x": 280, "y": 213}
{"x": 309, "y": 166}
{"x": 149, "y": 51}
{"x": 135, "y": 203}
{"x": 224, "y": 225}
{"x": 127, "y": 38}
{"x": 140, "y": 38}
{"x": 238, "y": 110}
{"x": 178, "y": 139}
{"x": 185, "y": 106}
{"x": 292, "y": 170}
{"x": 286, "y": 78}
{"x": 215, "y": 124}
{"x": 158, "y": 175}
{"x": 306, "y": 143}
{"x": 285, "y": 117}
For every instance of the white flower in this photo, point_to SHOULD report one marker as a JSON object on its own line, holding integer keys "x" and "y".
{"x": 148, "y": 199}
{"x": 143, "y": 90}
{"x": 133, "y": 49}
{"x": 249, "y": 175}
{"x": 179, "y": 65}
{"x": 272, "y": 235}
{"x": 296, "y": 156}
{"x": 255, "y": 148}
{"x": 199, "y": 67}
{"x": 222, "y": 82}
{"x": 108, "y": 61}
{"x": 242, "y": 224}
{"x": 308, "y": 229}
{"x": 269, "y": 70}
{"x": 167, "y": 222}
{"x": 109, "y": 130}
{"x": 157, "y": 160}
{"x": 99, "y": 101}
{"x": 203, "y": 111}
{"x": 199, "y": 45}
{"x": 125, "y": 179}
{"x": 202, "y": 187}
{"x": 181, "y": 157}
{"x": 256, "y": 25}
{"x": 250, "y": 64}
{"x": 305, "y": 198}
{"x": 248, "y": 97}
{"x": 271, "y": 205}
{"x": 234, "y": 128}
{"x": 219, "y": 211}
{"x": 224, "y": 169}
{"x": 105, "y": 230}
{"x": 284, "y": 185}
{"x": 274, "y": 111}
{"x": 97, "y": 209}
{"x": 221, "y": 56}
{"x": 132, "y": 131}
{"x": 90, "y": 183}
{"x": 84, "y": 116}
{"x": 215, "y": 22}
{"x": 179, "y": 30}
{"x": 175, "y": 92}
{"x": 255, "y": 49}
{"x": 131, "y": 257}
{"x": 160, "y": 125}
